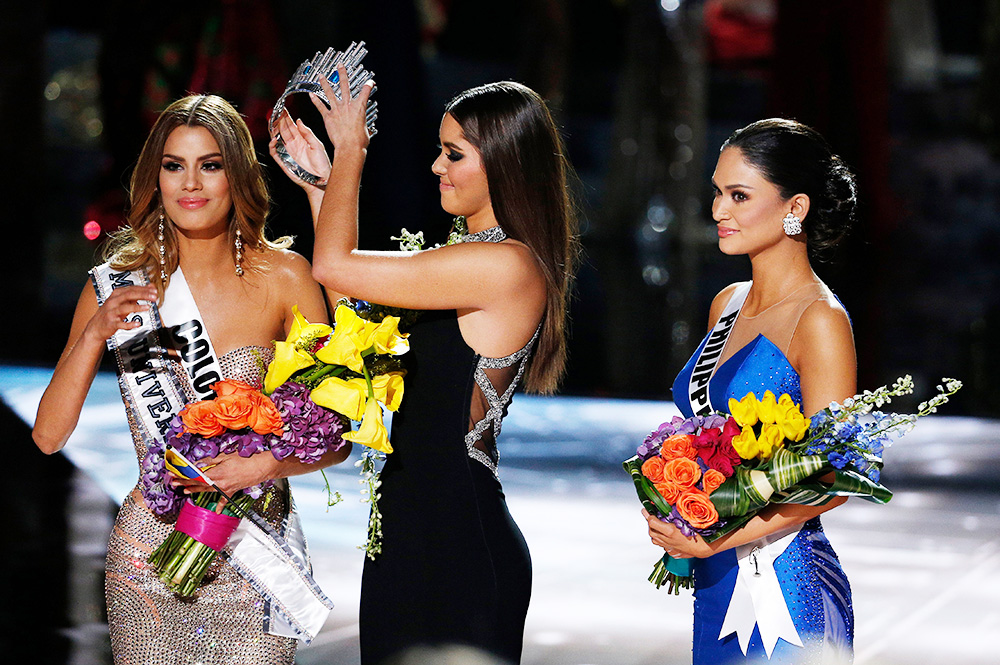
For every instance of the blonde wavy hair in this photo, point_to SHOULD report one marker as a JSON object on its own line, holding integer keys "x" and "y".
{"x": 137, "y": 245}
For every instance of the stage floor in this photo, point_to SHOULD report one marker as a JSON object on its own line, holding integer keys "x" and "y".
{"x": 925, "y": 569}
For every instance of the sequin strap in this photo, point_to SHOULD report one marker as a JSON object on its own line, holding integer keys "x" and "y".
{"x": 704, "y": 366}
{"x": 497, "y": 402}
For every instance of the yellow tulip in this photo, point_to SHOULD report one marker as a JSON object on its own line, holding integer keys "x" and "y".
{"x": 786, "y": 401}
{"x": 767, "y": 408}
{"x": 770, "y": 439}
{"x": 791, "y": 421}
{"x": 346, "y": 397}
{"x": 372, "y": 432}
{"x": 388, "y": 389}
{"x": 287, "y": 361}
{"x": 745, "y": 443}
{"x": 744, "y": 411}
{"x": 387, "y": 338}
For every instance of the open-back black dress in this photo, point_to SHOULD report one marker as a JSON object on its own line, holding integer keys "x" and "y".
{"x": 454, "y": 567}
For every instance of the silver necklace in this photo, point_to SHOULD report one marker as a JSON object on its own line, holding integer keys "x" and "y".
{"x": 492, "y": 234}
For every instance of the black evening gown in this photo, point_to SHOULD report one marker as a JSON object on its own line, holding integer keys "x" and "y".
{"x": 454, "y": 567}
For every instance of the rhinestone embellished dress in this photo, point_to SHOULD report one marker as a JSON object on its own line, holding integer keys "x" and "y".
{"x": 813, "y": 583}
{"x": 224, "y": 623}
{"x": 454, "y": 567}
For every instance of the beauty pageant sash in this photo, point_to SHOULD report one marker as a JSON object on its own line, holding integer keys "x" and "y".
{"x": 274, "y": 564}
{"x": 707, "y": 360}
{"x": 757, "y": 597}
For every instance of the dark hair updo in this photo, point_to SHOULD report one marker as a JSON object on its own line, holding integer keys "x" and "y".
{"x": 796, "y": 159}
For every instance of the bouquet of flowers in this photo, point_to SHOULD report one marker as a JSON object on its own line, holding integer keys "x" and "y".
{"x": 321, "y": 378}
{"x": 710, "y": 475}
{"x": 353, "y": 369}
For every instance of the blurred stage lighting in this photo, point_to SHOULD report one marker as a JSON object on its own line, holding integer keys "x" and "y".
{"x": 91, "y": 230}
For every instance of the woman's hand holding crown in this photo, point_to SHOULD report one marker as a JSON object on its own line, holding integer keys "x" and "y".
{"x": 345, "y": 119}
{"x": 305, "y": 148}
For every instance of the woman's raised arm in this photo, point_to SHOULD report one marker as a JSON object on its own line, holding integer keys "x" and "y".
{"x": 59, "y": 409}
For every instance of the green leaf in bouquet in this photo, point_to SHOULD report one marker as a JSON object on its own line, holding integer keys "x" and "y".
{"x": 846, "y": 482}
{"x": 787, "y": 468}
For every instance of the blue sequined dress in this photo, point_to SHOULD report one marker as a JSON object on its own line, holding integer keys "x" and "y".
{"x": 812, "y": 581}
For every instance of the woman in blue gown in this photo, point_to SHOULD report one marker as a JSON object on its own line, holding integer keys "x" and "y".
{"x": 781, "y": 195}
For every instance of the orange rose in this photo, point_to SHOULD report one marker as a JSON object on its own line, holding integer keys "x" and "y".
{"x": 712, "y": 479}
{"x": 233, "y": 411}
{"x": 678, "y": 445}
{"x": 232, "y": 387}
{"x": 653, "y": 469}
{"x": 200, "y": 418}
{"x": 264, "y": 417}
{"x": 668, "y": 491}
{"x": 695, "y": 507}
{"x": 682, "y": 472}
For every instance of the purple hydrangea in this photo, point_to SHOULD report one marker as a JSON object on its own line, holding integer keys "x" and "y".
{"x": 310, "y": 431}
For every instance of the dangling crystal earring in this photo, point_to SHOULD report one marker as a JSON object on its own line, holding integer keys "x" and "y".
{"x": 792, "y": 225}
{"x": 239, "y": 252}
{"x": 163, "y": 251}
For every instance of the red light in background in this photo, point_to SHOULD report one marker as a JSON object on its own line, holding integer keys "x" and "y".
{"x": 91, "y": 230}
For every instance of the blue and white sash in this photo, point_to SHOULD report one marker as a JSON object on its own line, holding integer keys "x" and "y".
{"x": 757, "y": 599}
{"x": 275, "y": 564}
{"x": 711, "y": 352}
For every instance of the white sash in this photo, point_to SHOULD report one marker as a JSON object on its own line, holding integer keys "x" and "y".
{"x": 274, "y": 564}
{"x": 757, "y": 597}
{"x": 705, "y": 364}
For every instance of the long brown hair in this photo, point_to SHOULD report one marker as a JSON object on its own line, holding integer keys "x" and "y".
{"x": 137, "y": 245}
{"x": 527, "y": 171}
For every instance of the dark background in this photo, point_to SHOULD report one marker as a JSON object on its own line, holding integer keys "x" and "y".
{"x": 645, "y": 92}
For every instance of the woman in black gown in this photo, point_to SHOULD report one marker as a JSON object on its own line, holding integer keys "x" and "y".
{"x": 455, "y": 569}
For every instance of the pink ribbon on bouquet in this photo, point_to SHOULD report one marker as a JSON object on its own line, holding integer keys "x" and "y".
{"x": 206, "y": 526}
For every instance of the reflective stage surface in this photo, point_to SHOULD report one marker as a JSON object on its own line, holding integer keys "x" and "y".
{"x": 925, "y": 569}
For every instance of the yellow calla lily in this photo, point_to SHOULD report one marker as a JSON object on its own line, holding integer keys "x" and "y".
{"x": 771, "y": 438}
{"x": 372, "y": 432}
{"x": 745, "y": 443}
{"x": 388, "y": 389}
{"x": 301, "y": 328}
{"x": 341, "y": 350}
{"x": 287, "y": 361}
{"x": 793, "y": 424}
{"x": 744, "y": 410}
{"x": 364, "y": 336}
{"x": 767, "y": 408}
{"x": 346, "y": 397}
{"x": 342, "y": 347}
{"x": 387, "y": 338}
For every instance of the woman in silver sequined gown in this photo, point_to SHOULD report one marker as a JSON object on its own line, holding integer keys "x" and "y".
{"x": 454, "y": 567}
{"x": 198, "y": 202}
